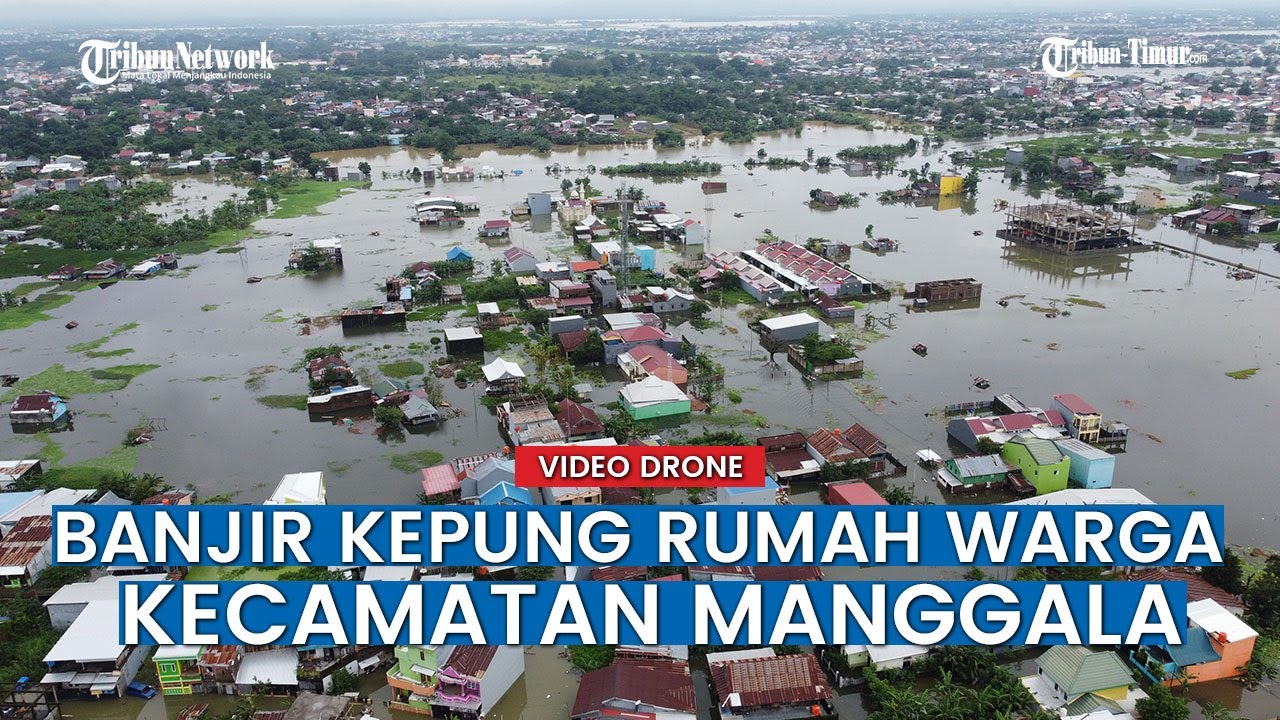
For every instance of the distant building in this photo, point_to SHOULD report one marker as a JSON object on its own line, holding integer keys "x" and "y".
{"x": 1090, "y": 467}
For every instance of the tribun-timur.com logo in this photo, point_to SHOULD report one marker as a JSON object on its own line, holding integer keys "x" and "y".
{"x": 102, "y": 62}
{"x": 1065, "y": 57}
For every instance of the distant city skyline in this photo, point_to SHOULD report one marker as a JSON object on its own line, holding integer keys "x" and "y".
{"x": 141, "y": 13}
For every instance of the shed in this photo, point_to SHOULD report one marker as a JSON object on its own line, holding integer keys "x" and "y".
{"x": 463, "y": 341}
{"x": 653, "y": 397}
{"x": 567, "y": 323}
{"x": 854, "y": 493}
{"x": 788, "y": 328}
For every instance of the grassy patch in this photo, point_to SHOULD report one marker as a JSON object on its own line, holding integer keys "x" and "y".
{"x": 284, "y": 402}
{"x": 305, "y": 196}
{"x": 1073, "y": 300}
{"x": 499, "y": 340}
{"x": 736, "y": 296}
{"x": 411, "y": 462}
{"x": 402, "y": 369}
{"x": 27, "y": 288}
{"x": 87, "y": 347}
{"x": 88, "y": 473}
{"x": 70, "y": 383}
{"x": 227, "y": 572}
{"x": 1244, "y": 374}
{"x": 208, "y": 308}
{"x": 108, "y": 353}
{"x": 30, "y": 313}
{"x": 432, "y": 313}
{"x": 229, "y": 250}
{"x": 275, "y": 316}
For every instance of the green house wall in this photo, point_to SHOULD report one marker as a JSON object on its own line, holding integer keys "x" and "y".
{"x": 1045, "y": 478}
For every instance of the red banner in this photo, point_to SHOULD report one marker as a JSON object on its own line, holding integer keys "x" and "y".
{"x": 636, "y": 466}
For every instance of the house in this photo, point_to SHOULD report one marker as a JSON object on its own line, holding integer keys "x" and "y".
{"x": 519, "y": 260}
{"x": 389, "y": 390}
{"x": 89, "y": 658}
{"x": 1239, "y": 180}
{"x": 655, "y": 361}
{"x": 539, "y": 203}
{"x": 653, "y": 398}
{"x": 1219, "y": 645}
{"x": 14, "y": 506}
{"x": 441, "y": 679}
{"x": 1083, "y": 496}
{"x": 870, "y": 445}
{"x": 503, "y": 377}
{"x": 566, "y": 323}
{"x": 42, "y": 409}
{"x": 474, "y": 678}
{"x": 668, "y": 300}
{"x": 634, "y": 687}
{"x": 888, "y": 657}
{"x": 1040, "y": 462}
{"x": 744, "y": 686}
{"x": 787, "y": 456}
{"x": 304, "y": 488}
{"x": 1090, "y": 467}
{"x": 218, "y": 667}
{"x": 418, "y": 410}
{"x": 527, "y": 419}
{"x": 146, "y": 268}
{"x": 339, "y": 399}
{"x": 1070, "y": 676}
{"x": 13, "y": 472}
{"x": 276, "y": 670}
{"x": 65, "y": 605}
{"x": 495, "y": 228}
{"x": 463, "y": 341}
{"x": 617, "y": 342}
{"x": 854, "y": 493}
{"x": 787, "y": 329}
{"x": 603, "y": 286}
{"x": 578, "y": 495}
{"x": 457, "y": 254}
{"x": 957, "y": 290}
{"x": 330, "y": 370}
{"x": 803, "y": 271}
{"x": 570, "y": 295}
{"x": 553, "y": 270}
{"x": 971, "y": 473}
{"x": 1000, "y": 428}
{"x": 1197, "y": 587}
{"x": 26, "y": 551}
{"x": 507, "y": 494}
{"x": 766, "y": 494}
{"x": 577, "y": 421}
{"x": 1083, "y": 421}
{"x": 830, "y": 446}
{"x": 178, "y": 669}
{"x": 833, "y": 308}
{"x": 64, "y": 274}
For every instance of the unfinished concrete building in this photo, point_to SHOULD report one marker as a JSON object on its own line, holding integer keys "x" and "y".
{"x": 1070, "y": 228}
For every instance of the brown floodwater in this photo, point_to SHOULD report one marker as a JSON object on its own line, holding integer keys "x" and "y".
{"x": 1154, "y": 356}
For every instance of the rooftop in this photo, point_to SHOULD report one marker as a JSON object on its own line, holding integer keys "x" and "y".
{"x": 1078, "y": 670}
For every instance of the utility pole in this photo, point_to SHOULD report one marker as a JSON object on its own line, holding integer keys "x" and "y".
{"x": 623, "y": 212}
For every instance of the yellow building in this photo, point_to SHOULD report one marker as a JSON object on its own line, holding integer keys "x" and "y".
{"x": 950, "y": 185}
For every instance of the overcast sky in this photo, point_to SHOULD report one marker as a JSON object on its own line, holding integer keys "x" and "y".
{"x": 135, "y": 13}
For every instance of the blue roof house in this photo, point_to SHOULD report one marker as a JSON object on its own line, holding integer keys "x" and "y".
{"x": 456, "y": 254}
{"x": 504, "y": 493}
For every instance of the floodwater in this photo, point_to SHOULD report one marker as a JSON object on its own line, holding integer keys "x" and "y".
{"x": 1154, "y": 357}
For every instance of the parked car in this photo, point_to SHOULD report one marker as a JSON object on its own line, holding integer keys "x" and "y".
{"x": 141, "y": 690}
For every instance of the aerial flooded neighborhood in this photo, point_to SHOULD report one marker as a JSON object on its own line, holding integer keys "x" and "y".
{"x": 919, "y": 255}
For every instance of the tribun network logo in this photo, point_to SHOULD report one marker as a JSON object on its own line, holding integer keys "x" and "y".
{"x": 102, "y": 62}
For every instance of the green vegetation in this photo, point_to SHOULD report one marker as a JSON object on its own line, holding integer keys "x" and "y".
{"x": 70, "y": 383}
{"x": 303, "y": 197}
{"x": 412, "y": 462}
{"x": 284, "y": 402}
{"x": 208, "y": 308}
{"x": 591, "y": 657}
{"x": 971, "y": 685}
{"x": 824, "y": 352}
{"x": 684, "y": 168}
{"x": 1162, "y": 704}
{"x": 1073, "y": 300}
{"x": 120, "y": 462}
{"x": 402, "y": 369}
{"x": 1244, "y": 374}
{"x": 108, "y": 353}
{"x": 26, "y": 313}
{"x": 432, "y": 313}
{"x": 499, "y": 340}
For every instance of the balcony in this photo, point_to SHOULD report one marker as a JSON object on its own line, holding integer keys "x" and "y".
{"x": 425, "y": 687}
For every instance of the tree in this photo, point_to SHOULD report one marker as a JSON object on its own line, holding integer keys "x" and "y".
{"x": 590, "y": 350}
{"x": 365, "y": 169}
{"x": 620, "y": 426}
{"x": 1263, "y": 595}
{"x": 1229, "y": 575}
{"x": 987, "y": 446}
{"x": 869, "y": 230}
{"x": 342, "y": 682}
{"x": 971, "y": 181}
{"x": 590, "y": 657}
{"x": 1162, "y": 704}
{"x": 388, "y": 415}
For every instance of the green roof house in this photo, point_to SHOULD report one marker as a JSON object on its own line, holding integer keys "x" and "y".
{"x": 1041, "y": 462}
{"x": 1077, "y": 676}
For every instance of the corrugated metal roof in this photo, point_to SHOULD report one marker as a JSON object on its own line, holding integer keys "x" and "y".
{"x": 854, "y": 493}
{"x": 472, "y": 660}
{"x": 1214, "y": 618}
{"x": 1042, "y": 451}
{"x": 1078, "y": 670}
{"x": 93, "y": 637}
{"x": 439, "y": 480}
{"x": 273, "y": 667}
{"x": 29, "y": 537}
{"x": 980, "y": 465}
{"x": 758, "y": 682}
{"x": 659, "y": 684}
{"x": 1075, "y": 404}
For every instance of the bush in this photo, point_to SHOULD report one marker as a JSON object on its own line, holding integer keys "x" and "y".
{"x": 343, "y": 682}
{"x": 590, "y": 657}
{"x": 388, "y": 415}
